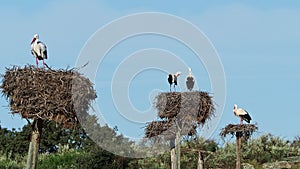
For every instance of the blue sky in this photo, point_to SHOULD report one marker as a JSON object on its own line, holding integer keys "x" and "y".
{"x": 257, "y": 42}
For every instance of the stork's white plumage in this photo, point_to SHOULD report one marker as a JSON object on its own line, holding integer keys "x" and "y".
{"x": 243, "y": 114}
{"x": 38, "y": 49}
{"x": 172, "y": 79}
{"x": 190, "y": 80}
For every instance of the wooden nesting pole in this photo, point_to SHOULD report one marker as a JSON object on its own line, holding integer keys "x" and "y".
{"x": 200, "y": 160}
{"x": 173, "y": 158}
{"x": 178, "y": 138}
{"x": 238, "y": 150}
{"x": 173, "y": 154}
{"x": 33, "y": 150}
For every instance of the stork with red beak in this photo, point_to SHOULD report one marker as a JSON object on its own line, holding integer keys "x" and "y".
{"x": 243, "y": 114}
{"x": 38, "y": 49}
{"x": 172, "y": 79}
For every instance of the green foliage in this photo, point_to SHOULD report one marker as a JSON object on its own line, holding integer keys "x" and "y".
{"x": 66, "y": 160}
{"x": 10, "y": 164}
{"x": 72, "y": 148}
{"x": 160, "y": 161}
{"x": 268, "y": 148}
{"x": 13, "y": 143}
{"x": 223, "y": 158}
{"x": 107, "y": 137}
{"x": 99, "y": 159}
{"x": 296, "y": 142}
{"x": 54, "y": 135}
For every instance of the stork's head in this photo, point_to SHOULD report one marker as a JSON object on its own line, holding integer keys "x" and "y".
{"x": 234, "y": 107}
{"x": 177, "y": 74}
{"x": 35, "y": 37}
{"x": 190, "y": 72}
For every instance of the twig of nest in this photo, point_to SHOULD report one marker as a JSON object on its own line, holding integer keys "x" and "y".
{"x": 239, "y": 130}
{"x": 59, "y": 95}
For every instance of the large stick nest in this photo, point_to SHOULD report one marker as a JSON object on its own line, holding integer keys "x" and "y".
{"x": 59, "y": 95}
{"x": 180, "y": 111}
{"x": 198, "y": 105}
{"x": 239, "y": 130}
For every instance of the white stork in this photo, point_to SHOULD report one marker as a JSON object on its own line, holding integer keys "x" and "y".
{"x": 173, "y": 79}
{"x": 190, "y": 80}
{"x": 38, "y": 49}
{"x": 243, "y": 114}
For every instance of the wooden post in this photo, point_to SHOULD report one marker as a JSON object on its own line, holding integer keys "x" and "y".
{"x": 238, "y": 150}
{"x": 200, "y": 161}
{"x": 173, "y": 154}
{"x": 178, "y": 136}
{"x": 29, "y": 158}
{"x": 173, "y": 159}
{"x": 34, "y": 143}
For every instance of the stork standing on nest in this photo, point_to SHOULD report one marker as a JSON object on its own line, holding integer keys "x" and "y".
{"x": 243, "y": 114}
{"x": 172, "y": 79}
{"x": 190, "y": 80}
{"x": 38, "y": 50}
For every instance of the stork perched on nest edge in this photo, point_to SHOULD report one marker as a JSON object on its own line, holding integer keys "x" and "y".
{"x": 173, "y": 79}
{"x": 190, "y": 80}
{"x": 38, "y": 50}
{"x": 243, "y": 114}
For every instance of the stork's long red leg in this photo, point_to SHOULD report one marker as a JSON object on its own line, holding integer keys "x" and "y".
{"x": 37, "y": 62}
{"x": 241, "y": 120}
{"x": 44, "y": 63}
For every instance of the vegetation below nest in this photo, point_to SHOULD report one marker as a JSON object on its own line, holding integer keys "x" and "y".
{"x": 72, "y": 148}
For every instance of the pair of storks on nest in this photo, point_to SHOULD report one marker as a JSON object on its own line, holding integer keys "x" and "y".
{"x": 172, "y": 79}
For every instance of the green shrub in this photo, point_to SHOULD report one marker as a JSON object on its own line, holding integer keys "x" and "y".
{"x": 66, "y": 160}
{"x": 9, "y": 164}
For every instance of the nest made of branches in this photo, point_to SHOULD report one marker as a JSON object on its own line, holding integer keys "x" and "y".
{"x": 180, "y": 111}
{"x": 197, "y": 104}
{"x": 239, "y": 130}
{"x": 167, "y": 129}
{"x": 59, "y": 95}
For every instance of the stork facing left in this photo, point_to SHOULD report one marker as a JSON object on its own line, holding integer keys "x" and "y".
{"x": 38, "y": 50}
{"x": 243, "y": 114}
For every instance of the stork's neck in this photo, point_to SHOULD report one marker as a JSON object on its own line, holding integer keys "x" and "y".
{"x": 34, "y": 41}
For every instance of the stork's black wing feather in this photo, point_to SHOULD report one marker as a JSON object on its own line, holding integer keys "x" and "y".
{"x": 246, "y": 117}
{"x": 170, "y": 79}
